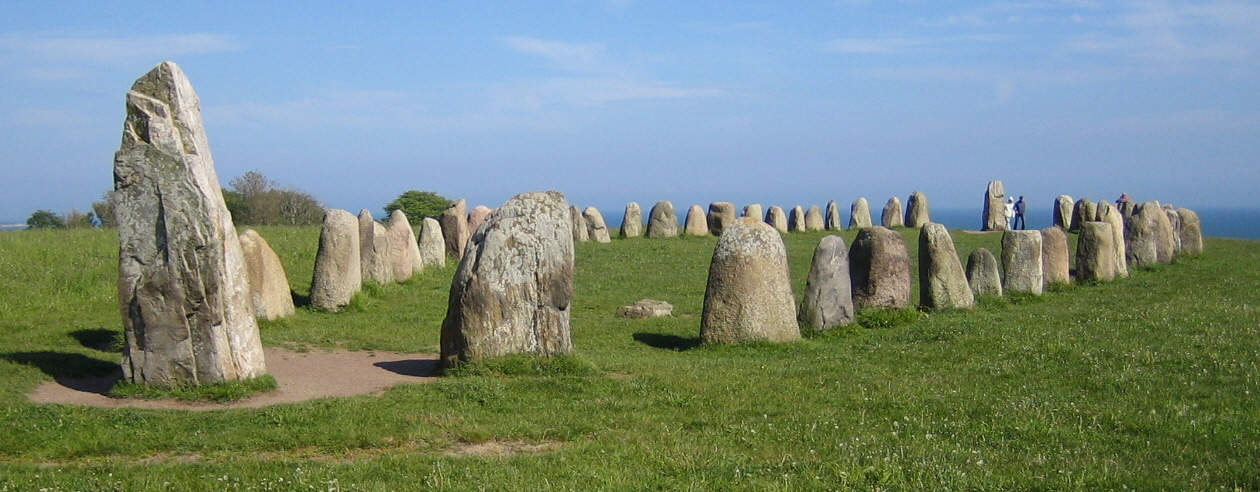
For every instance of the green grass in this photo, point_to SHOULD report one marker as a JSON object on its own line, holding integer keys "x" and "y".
{"x": 227, "y": 391}
{"x": 1149, "y": 383}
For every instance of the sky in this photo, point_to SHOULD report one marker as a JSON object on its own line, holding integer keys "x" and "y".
{"x": 611, "y": 101}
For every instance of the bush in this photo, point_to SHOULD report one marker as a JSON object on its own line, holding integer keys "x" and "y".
{"x": 418, "y": 205}
{"x": 45, "y": 219}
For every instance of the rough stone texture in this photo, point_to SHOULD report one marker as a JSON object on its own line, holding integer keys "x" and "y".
{"x": 777, "y": 219}
{"x": 721, "y": 214}
{"x": 268, "y": 285}
{"x": 478, "y": 215}
{"x": 813, "y": 218}
{"x": 432, "y": 246}
{"x": 1191, "y": 232}
{"x": 892, "y": 214}
{"x": 595, "y": 226}
{"x": 1109, "y": 214}
{"x": 1084, "y": 210}
{"x": 860, "y": 214}
{"x": 581, "y": 233}
{"x": 661, "y": 221}
{"x": 374, "y": 250}
{"x": 1021, "y": 262}
{"x": 404, "y": 251}
{"x": 455, "y": 229}
{"x": 1140, "y": 236}
{"x": 632, "y": 221}
{"x": 1165, "y": 236}
{"x": 917, "y": 212}
{"x": 1127, "y": 209}
{"x": 833, "y": 216}
{"x": 1064, "y": 212}
{"x": 1055, "y": 258}
{"x": 646, "y": 308}
{"x": 1174, "y": 219}
{"x": 796, "y": 219}
{"x": 697, "y": 224}
{"x": 512, "y": 291}
{"x": 828, "y": 300}
{"x": 1095, "y": 252}
{"x": 982, "y": 273}
{"x": 182, "y": 287}
{"x": 753, "y": 210}
{"x": 749, "y": 292}
{"x": 994, "y": 216}
{"x": 942, "y": 281}
{"x": 338, "y": 274}
{"x": 879, "y": 266}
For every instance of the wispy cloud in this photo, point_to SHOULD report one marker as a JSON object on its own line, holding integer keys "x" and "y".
{"x": 106, "y": 49}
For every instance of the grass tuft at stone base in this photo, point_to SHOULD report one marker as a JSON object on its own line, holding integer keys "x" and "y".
{"x": 219, "y": 392}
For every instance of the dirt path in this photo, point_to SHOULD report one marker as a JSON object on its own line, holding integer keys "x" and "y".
{"x": 301, "y": 376}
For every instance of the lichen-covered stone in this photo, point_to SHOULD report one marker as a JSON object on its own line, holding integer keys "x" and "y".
{"x": 338, "y": 274}
{"x": 1021, "y": 262}
{"x": 796, "y": 219}
{"x": 1165, "y": 241}
{"x": 1095, "y": 252}
{"x": 917, "y": 212}
{"x": 880, "y": 269}
{"x": 720, "y": 215}
{"x": 432, "y": 245}
{"x": 632, "y": 221}
{"x": 1105, "y": 212}
{"x": 1141, "y": 242}
{"x": 404, "y": 251}
{"x": 994, "y": 216}
{"x": 892, "y": 214}
{"x": 1174, "y": 219}
{"x": 828, "y": 300}
{"x": 860, "y": 214}
{"x": 595, "y": 226}
{"x": 749, "y": 292}
{"x": 813, "y": 218}
{"x": 661, "y": 221}
{"x": 942, "y": 281}
{"x": 1056, "y": 265}
{"x": 1191, "y": 232}
{"x": 833, "y": 216}
{"x": 1063, "y": 212}
{"x": 268, "y": 284}
{"x": 581, "y": 233}
{"x": 983, "y": 275}
{"x": 777, "y": 219}
{"x": 697, "y": 224}
{"x": 646, "y": 308}
{"x": 1085, "y": 210}
{"x": 455, "y": 231}
{"x": 374, "y": 250}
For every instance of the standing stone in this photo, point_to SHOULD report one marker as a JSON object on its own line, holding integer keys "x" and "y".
{"x": 1095, "y": 252}
{"x": 833, "y": 216}
{"x": 942, "y": 281}
{"x": 697, "y": 224}
{"x": 1191, "y": 232}
{"x": 796, "y": 219}
{"x": 1021, "y": 262}
{"x": 455, "y": 230}
{"x": 1165, "y": 243}
{"x": 478, "y": 215}
{"x": 721, "y": 214}
{"x": 1141, "y": 244}
{"x": 512, "y": 292}
{"x": 661, "y": 221}
{"x": 338, "y": 274}
{"x": 892, "y": 214}
{"x": 1127, "y": 208}
{"x": 374, "y": 250}
{"x": 828, "y": 300}
{"x": 753, "y": 210}
{"x": 777, "y": 219}
{"x": 187, "y": 314}
{"x": 983, "y": 274}
{"x": 581, "y": 233}
{"x": 814, "y": 218}
{"x": 860, "y": 214}
{"x": 1083, "y": 211}
{"x": 1064, "y": 211}
{"x": 749, "y": 292}
{"x": 632, "y": 221}
{"x": 994, "y": 218}
{"x": 880, "y": 269}
{"x": 595, "y": 226}
{"x": 1055, "y": 259}
{"x": 1109, "y": 214}
{"x": 432, "y": 245}
{"x": 1175, "y": 220}
{"x": 404, "y": 251}
{"x": 268, "y": 285}
{"x": 917, "y": 213}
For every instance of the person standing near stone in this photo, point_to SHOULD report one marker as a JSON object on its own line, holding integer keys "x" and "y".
{"x": 1019, "y": 223}
{"x": 748, "y": 296}
{"x": 1009, "y": 213}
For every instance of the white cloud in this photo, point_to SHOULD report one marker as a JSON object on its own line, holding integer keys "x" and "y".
{"x": 104, "y": 49}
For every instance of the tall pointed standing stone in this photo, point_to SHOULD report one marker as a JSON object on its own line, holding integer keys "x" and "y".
{"x": 1063, "y": 212}
{"x": 374, "y": 250}
{"x": 268, "y": 284}
{"x": 632, "y": 221}
{"x": 796, "y": 219}
{"x": 432, "y": 245}
{"x": 338, "y": 274}
{"x": 661, "y": 221}
{"x": 833, "y": 216}
{"x": 942, "y": 281}
{"x": 182, "y": 286}
{"x": 892, "y": 214}
{"x": 595, "y": 226}
{"x": 455, "y": 230}
{"x": 578, "y": 225}
{"x": 917, "y": 212}
{"x": 860, "y": 214}
{"x": 828, "y": 300}
{"x": 994, "y": 218}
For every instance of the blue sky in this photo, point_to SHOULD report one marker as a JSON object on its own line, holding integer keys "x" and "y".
{"x": 613, "y": 101}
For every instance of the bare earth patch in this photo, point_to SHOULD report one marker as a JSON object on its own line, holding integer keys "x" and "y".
{"x": 501, "y": 448}
{"x": 301, "y": 376}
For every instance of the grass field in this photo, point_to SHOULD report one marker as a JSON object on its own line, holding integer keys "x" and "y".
{"x": 1148, "y": 383}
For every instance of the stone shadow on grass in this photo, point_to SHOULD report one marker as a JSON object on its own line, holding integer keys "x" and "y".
{"x": 97, "y": 338}
{"x": 668, "y": 342}
{"x": 75, "y": 371}
{"x": 423, "y": 368}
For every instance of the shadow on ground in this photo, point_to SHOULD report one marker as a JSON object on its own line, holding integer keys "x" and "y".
{"x": 98, "y": 339}
{"x": 411, "y": 367}
{"x": 668, "y": 342}
{"x": 75, "y": 371}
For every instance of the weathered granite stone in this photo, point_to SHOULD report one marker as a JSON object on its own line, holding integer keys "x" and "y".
{"x": 749, "y": 292}
{"x": 512, "y": 291}
{"x": 880, "y": 269}
{"x": 833, "y": 216}
{"x": 632, "y": 221}
{"x": 432, "y": 245}
{"x": 983, "y": 275}
{"x": 753, "y": 210}
{"x": 860, "y": 214}
{"x": 478, "y": 215}
{"x": 455, "y": 229}
{"x": 661, "y": 221}
{"x": 796, "y": 219}
{"x": 595, "y": 226}
{"x": 1021, "y": 262}
{"x": 268, "y": 285}
{"x": 1095, "y": 252}
{"x": 813, "y": 218}
{"x": 1084, "y": 210}
{"x": 646, "y": 308}
{"x": 892, "y": 214}
{"x": 1165, "y": 243}
{"x": 777, "y": 219}
{"x": 581, "y": 233}
{"x": 374, "y": 250}
{"x": 1109, "y": 214}
{"x": 1127, "y": 209}
{"x": 1140, "y": 242}
{"x": 994, "y": 216}
{"x": 1191, "y": 232}
{"x": 404, "y": 251}
{"x": 828, "y": 300}
{"x": 697, "y": 224}
{"x": 187, "y": 314}
{"x": 1055, "y": 258}
{"x": 720, "y": 215}
{"x": 1064, "y": 208}
{"x": 1174, "y": 219}
{"x": 942, "y": 281}
{"x": 917, "y": 213}
{"x": 338, "y": 274}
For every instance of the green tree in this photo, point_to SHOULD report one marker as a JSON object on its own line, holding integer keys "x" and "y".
{"x": 254, "y": 199}
{"x": 418, "y": 205}
{"x": 104, "y": 210}
{"x": 44, "y": 219}
{"x": 74, "y": 219}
